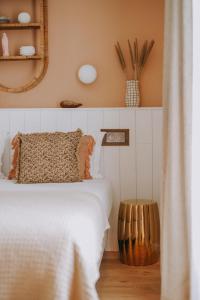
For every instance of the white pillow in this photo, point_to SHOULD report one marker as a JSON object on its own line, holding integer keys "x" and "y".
{"x": 3, "y": 137}
{"x": 96, "y": 157}
{"x": 1, "y": 154}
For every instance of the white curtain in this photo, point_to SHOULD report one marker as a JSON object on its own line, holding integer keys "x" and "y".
{"x": 195, "y": 203}
{"x": 175, "y": 208}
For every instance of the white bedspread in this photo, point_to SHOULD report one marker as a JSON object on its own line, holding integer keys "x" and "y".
{"x": 50, "y": 244}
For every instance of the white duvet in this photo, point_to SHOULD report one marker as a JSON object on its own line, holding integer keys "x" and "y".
{"x": 50, "y": 244}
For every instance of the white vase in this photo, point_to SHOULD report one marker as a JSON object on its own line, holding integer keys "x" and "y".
{"x": 5, "y": 45}
{"x": 132, "y": 93}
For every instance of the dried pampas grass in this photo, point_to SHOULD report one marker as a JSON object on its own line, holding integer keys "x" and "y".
{"x": 138, "y": 57}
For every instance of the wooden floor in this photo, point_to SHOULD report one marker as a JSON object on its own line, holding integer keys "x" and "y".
{"x": 121, "y": 282}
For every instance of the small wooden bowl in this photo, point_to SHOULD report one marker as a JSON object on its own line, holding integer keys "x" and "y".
{"x": 69, "y": 104}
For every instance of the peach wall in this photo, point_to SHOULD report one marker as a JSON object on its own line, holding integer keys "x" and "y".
{"x": 85, "y": 32}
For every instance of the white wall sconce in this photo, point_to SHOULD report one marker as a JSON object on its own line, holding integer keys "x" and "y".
{"x": 87, "y": 74}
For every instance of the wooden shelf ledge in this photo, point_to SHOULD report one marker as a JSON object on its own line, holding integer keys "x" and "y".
{"x": 19, "y": 26}
{"x": 20, "y": 58}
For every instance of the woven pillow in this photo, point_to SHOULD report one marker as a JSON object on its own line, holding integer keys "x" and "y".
{"x": 48, "y": 157}
{"x": 85, "y": 150}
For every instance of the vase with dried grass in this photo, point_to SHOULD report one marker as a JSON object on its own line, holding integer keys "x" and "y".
{"x": 138, "y": 61}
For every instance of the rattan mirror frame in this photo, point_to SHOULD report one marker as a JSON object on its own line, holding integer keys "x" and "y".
{"x": 43, "y": 53}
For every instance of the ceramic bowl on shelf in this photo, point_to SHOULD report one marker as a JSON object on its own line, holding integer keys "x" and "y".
{"x": 4, "y": 19}
{"x": 27, "y": 51}
{"x": 24, "y": 17}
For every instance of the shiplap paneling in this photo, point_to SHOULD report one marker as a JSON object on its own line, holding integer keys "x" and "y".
{"x": 134, "y": 171}
{"x": 112, "y": 172}
{"x": 79, "y": 120}
{"x": 128, "y": 158}
{"x": 64, "y": 120}
{"x": 144, "y": 181}
{"x": 157, "y": 153}
{"x": 32, "y": 121}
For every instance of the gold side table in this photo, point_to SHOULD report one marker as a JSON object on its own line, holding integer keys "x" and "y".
{"x": 139, "y": 232}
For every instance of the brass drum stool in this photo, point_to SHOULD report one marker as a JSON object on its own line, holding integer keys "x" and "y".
{"x": 139, "y": 232}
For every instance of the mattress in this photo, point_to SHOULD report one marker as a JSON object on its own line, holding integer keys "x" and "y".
{"x": 51, "y": 238}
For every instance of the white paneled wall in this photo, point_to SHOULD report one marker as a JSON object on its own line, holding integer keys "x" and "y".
{"x": 134, "y": 171}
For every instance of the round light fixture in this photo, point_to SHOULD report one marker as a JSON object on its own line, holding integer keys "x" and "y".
{"x": 87, "y": 74}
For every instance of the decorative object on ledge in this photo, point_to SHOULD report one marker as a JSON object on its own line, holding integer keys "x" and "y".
{"x": 138, "y": 61}
{"x": 41, "y": 58}
{"x": 24, "y": 17}
{"x": 27, "y": 51}
{"x": 87, "y": 74}
{"x": 4, "y": 20}
{"x": 69, "y": 104}
{"x": 132, "y": 97}
{"x": 5, "y": 46}
{"x": 115, "y": 137}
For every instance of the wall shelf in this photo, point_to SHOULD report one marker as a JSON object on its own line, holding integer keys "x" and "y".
{"x": 40, "y": 41}
{"x": 18, "y": 57}
{"x": 19, "y": 26}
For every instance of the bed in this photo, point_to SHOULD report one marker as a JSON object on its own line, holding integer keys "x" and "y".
{"x": 52, "y": 239}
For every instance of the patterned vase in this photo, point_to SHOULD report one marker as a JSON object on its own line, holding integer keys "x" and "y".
{"x": 132, "y": 93}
